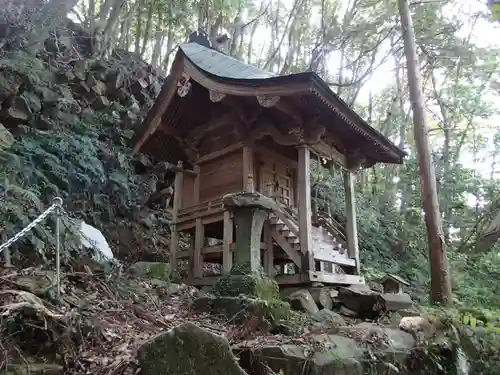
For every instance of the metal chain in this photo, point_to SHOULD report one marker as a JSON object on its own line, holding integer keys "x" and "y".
{"x": 57, "y": 203}
{"x": 59, "y": 211}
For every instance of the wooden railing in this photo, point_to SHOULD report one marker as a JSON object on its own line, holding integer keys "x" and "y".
{"x": 332, "y": 226}
{"x": 286, "y": 215}
{"x": 200, "y": 208}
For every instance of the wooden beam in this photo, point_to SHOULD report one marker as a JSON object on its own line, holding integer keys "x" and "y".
{"x": 197, "y": 181}
{"x": 247, "y": 166}
{"x": 227, "y": 254}
{"x": 350, "y": 213}
{"x": 304, "y": 193}
{"x": 214, "y": 249}
{"x": 336, "y": 259}
{"x": 287, "y": 248}
{"x": 218, "y": 154}
{"x": 174, "y": 238}
{"x": 328, "y": 152}
{"x": 275, "y": 156}
{"x": 198, "y": 246}
{"x": 188, "y": 172}
{"x": 269, "y": 251}
{"x": 336, "y": 278}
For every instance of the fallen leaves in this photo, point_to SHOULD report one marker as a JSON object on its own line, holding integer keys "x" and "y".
{"x": 98, "y": 326}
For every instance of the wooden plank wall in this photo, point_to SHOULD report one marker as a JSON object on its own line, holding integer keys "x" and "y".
{"x": 221, "y": 176}
{"x": 187, "y": 192}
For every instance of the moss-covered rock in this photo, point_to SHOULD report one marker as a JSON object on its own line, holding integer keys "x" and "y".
{"x": 322, "y": 297}
{"x": 237, "y": 309}
{"x": 328, "y": 319}
{"x": 302, "y": 300}
{"x": 255, "y": 284}
{"x": 188, "y": 350}
{"x": 246, "y": 294}
{"x": 152, "y": 270}
{"x": 342, "y": 356}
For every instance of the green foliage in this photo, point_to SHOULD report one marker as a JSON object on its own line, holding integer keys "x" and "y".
{"x": 94, "y": 177}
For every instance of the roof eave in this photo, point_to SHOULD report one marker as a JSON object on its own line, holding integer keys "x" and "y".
{"x": 324, "y": 90}
{"x": 151, "y": 122}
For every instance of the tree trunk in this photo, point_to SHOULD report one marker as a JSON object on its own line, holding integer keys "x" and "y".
{"x": 138, "y": 34}
{"x": 440, "y": 274}
{"x": 147, "y": 29}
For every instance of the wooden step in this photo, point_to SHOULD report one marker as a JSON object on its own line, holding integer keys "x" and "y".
{"x": 276, "y": 220}
{"x": 285, "y": 232}
{"x": 280, "y": 227}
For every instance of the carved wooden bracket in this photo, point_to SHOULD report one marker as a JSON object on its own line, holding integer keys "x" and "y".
{"x": 267, "y": 101}
{"x": 298, "y": 135}
{"x": 183, "y": 85}
{"x": 355, "y": 160}
{"x": 216, "y": 96}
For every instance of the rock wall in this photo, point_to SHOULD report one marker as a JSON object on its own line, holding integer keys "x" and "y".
{"x": 67, "y": 120}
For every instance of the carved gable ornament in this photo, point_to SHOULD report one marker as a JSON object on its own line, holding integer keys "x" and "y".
{"x": 183, "y": 85}
{"x": 216, "y": 96}
{"x": 268, "y": 101}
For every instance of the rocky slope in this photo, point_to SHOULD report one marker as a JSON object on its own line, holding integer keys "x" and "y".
{"x": 66, "y": 124}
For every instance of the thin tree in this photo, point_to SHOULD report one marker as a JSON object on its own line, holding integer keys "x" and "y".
{"x": 440, "y": 273}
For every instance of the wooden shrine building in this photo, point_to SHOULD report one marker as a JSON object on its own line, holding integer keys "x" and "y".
{"x": 230, "y": 127}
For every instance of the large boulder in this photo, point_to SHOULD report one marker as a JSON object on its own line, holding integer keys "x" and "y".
{"x": 253, "y": 284}
{"x": 327, "y": 319}
{"x": 301, "y": 300}
{"x": 240, "y": 308}
{"x": 338, "y": 355}
{"x": 363, "y": 301}
{"x": 322, "y": 297}
{"x": 188, "y": 350}
{"x": 390, "y": 345}
{"x": 396, "y": 302}
{"x": 17, "y": 112}
{"x": 393, "y": 338}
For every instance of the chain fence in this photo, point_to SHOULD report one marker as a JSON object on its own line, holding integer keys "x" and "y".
{"x": 57, "y": 209}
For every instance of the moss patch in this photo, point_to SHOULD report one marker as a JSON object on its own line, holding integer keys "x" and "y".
{"x": 188, "y": 350}
{"x": 254, "y": 284}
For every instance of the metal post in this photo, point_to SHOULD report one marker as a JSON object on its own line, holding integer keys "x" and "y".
{"x": 6, "y": 255}
{"x": 58, "y": 204}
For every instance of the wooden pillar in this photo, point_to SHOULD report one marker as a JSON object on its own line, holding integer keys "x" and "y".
{"x": 197, "y": 181}
{"x": 269, "y": 253}
{"x": 350, "y": 213}
{"x": 227, "y": 255}
{"x": 174, "y": 237}
{"x": 247, "y": 166}
{"x": 199, "y": 242}
{"x": 304, "y": 195}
